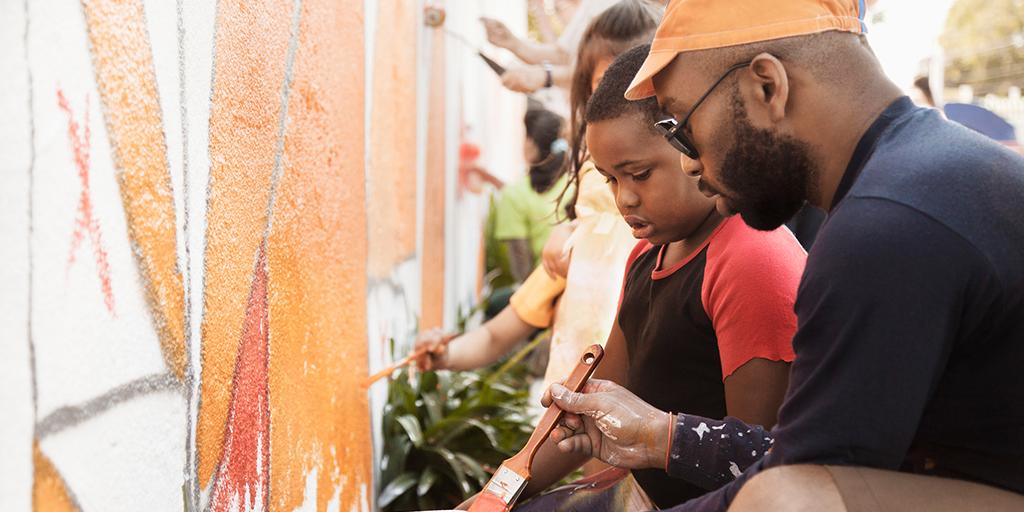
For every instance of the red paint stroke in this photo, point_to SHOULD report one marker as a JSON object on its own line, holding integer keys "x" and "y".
{"x": 85, "y": 221}
{"x": 243, "y": 474}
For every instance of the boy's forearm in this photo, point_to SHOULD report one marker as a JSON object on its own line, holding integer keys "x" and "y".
{"x": 550, "y": 466}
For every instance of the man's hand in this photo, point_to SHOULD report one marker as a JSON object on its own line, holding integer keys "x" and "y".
{"x": 554, "y": 256}
{"x": 436, "y": 356}
{"x": 498, "y": 34}
{"x": 524, "y": 79}
{"x": 608, "y": 422}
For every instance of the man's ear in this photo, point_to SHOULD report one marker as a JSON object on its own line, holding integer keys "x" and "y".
{"x": 766, "y": 88}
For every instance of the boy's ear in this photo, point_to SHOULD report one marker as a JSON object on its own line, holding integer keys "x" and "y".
{"x": 766, "y": 89}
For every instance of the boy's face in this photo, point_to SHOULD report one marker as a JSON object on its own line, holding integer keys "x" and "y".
{"x": 656, "y": 198}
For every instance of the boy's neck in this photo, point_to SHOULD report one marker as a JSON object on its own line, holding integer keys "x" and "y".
{"x": 681, "y": 249}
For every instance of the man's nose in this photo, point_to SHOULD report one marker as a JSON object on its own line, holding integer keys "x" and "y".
{"x": 690, "y": 166}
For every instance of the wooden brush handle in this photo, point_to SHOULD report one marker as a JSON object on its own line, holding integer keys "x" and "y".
{"x": 577, "y": 379}
{"x": 408, "y": 359}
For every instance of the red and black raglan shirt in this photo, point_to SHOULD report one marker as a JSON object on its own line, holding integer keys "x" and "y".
{"x": 690, "y": 326}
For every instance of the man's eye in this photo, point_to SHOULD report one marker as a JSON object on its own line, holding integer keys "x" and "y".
{"x": 609, "y": 179}
{"x": 642, "y": 175}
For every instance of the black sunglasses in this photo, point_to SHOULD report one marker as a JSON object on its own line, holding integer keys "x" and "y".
{"x": 673, "y": 131}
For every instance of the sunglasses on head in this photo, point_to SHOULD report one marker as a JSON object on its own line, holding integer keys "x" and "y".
{"x": 674, "y": 132}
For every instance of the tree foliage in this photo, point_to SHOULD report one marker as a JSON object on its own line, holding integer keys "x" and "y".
{"x": 984, "y": 44}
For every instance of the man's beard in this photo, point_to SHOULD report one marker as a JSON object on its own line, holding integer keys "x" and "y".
{"x": 769, "y": 176}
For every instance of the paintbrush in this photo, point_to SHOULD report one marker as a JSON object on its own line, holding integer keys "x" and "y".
{"x": 404, "y": 361}
{"x": 508, "y": 482}
{"x": 498, "y": 68}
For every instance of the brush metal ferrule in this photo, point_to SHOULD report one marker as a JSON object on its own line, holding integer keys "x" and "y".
{"x": 506, "y": 484}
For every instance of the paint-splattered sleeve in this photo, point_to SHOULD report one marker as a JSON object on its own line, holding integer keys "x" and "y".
{"x": 711, "y": 453}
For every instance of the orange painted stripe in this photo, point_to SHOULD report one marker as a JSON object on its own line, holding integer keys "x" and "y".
{"x": 123, "y": 63}
{"x": 49, "y": 491}
{"x": 250, "y": 52}
{"x": 391, "y": 187}
{"x": 316, "y": 256}
{"x": 242, "y": 476}
{"x": 434, "y": 192}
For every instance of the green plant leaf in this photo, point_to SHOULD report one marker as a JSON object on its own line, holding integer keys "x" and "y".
{"x": 433, "y": 407}
{"x": 458, "y": 471}
{"x": 474, "y": 468}
{"x": 426, "y": 481}
{"x": 412, "y": 429}
{"x": 396, "y": 488}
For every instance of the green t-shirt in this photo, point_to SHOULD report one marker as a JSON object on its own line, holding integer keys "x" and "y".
{"x": 522, "y": 213}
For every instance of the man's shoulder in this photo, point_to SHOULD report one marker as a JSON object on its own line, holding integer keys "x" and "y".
{"x": 944, "y": 172}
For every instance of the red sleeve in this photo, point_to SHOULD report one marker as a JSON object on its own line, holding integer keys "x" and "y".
{"x": 641, "y": 247}
{"x": 750, "y": 283}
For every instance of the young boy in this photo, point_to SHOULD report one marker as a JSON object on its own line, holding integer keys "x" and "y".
{"x": 706, "y": 312}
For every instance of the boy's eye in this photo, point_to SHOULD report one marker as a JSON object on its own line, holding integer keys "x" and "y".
{"x": 642, "y": 175}
{"x": 608, "y": 179}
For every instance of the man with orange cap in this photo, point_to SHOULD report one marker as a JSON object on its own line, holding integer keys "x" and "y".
{"x": 910, "y": 337}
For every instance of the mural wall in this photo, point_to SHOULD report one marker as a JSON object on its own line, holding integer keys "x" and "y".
{"x": 185, "y": 247}
{"x": 205, "y": 250}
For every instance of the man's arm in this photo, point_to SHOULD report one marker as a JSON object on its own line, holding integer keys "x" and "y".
{"x": 879, "y": 308}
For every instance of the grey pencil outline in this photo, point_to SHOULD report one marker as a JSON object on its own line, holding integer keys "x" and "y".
{"x": 68, "y": 416}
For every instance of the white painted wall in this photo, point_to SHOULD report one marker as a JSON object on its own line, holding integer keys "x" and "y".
{"x": 15, "y": 358}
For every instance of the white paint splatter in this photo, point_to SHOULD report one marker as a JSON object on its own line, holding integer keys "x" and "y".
{"x": 719, "y": 427}
{"x": 309, "y": 495}
{"x": 605, "y": 424}
{"x": 701, "y": 430}
{"x": 753, "y": 453}
{"x": 734, "y": 469}
{"x": 334, "y": 504}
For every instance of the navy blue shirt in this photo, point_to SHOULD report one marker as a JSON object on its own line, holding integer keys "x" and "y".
{"x": 910, "y": 339}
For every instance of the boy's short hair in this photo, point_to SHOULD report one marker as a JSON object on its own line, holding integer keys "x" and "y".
{"x": 609, "y": 101}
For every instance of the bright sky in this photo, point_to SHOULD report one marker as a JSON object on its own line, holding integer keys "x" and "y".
{"x": 907, "y": 34}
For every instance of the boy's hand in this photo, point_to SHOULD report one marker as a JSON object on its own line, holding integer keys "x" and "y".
{"x": 436, "y": 355}
{"x": 609, "y": 422}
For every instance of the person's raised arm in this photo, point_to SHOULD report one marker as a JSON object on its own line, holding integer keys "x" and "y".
{"x": 477, "y": 348}
{"x": 528, "y": 51}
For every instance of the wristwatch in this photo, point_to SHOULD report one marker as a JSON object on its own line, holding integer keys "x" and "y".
{"x": 548, "y": 80}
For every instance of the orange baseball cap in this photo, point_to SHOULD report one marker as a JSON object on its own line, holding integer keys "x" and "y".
{"x": 704, "y": 24}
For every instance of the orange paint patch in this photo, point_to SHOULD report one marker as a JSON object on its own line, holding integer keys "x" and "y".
{"x": 49, "y": 491}
{"x": 434, "y": 194}
{"x": 250, "y": 52}
{"x": 391, "y": 188}
{"x": 317, "y": 254}
{"x": 123, "y": 63}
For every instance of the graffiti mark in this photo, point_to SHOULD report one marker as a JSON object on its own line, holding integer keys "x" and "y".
{"x": 69, "y": 416}
{"x": 241, "y": 481}
{"x": 85, "y": 221}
